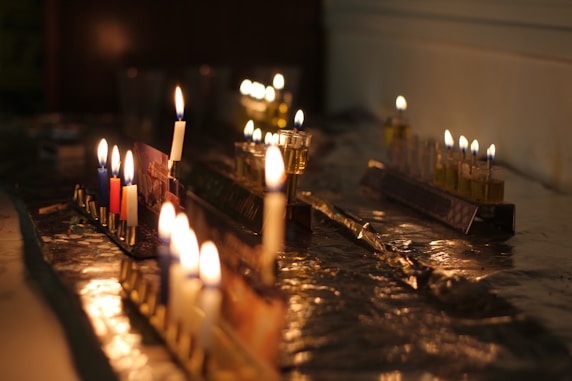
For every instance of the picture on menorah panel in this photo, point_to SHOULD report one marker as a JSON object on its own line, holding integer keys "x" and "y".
{"x": 153, "y": 177}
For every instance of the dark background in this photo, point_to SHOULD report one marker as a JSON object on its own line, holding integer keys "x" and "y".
{"x": 65, "y": 55}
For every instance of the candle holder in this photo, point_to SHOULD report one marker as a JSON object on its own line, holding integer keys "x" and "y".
{"x": 451, "y": 172}
{"x": 136, "y": 241}
{"x": 131, "y": 235}
{"x": 228, "y": 353}
{"x": 449, "y": 208}
{"x": 439, "y": 168}
{"x": 484, "y": 188}
{"x": 113, "y": 222}
{"x": 396, "y": 128}
{"x": 103, "y": 216}
{"x": 295, "y": 147}
{"x": 211, "y": 182}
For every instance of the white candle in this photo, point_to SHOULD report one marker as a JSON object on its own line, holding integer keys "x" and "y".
{"x": 130, "y": 190}
{"x": 190, "y": 282}
{"x": 175, "y": 303}
{"x": 273, "y": 225}
{"x": 211, "y": 297}
{"x": 179, "y": 131}
{"x": 166, "y": 222}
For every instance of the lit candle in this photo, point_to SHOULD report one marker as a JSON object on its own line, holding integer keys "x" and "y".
{"x": 179, "y": 131}
{"x": 190, "y": 282}
{"x": 248, "y": 130}
{"x": 166, "y": 222}
{"x": 474, "y": 150}
{"x": 102, "y": 173}
{"x": 451, "y": 169}
{"x": 268, "y": 139}
{"x": 257, "y": 136}
{"x": 449, "y": 142}
{"x": 210, "y": 297}
{"x": 278, "y": 84}
{"x": 130, "y": 190}
{"x": 490, "y": 157}
{"x": 115, "y": 182}
{"x": 270, "y": 94}
{"x": 245, "y": 87}
{"x": 278, "y": 81}
{"x": 463, "y": 145}
{"x": 273, "y": 225}
{"x": 400, "y": 104}
{"x": 298, "y": 120}
{"x": 178, "y": 236}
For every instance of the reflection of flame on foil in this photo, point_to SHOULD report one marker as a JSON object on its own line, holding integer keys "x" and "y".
{"x": 101, "y": 299}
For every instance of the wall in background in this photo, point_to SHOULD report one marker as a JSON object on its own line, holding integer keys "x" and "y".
{"x": 93, "y": 40}
{"x": 21, "y": 55}
{"x": 498, "y": 71}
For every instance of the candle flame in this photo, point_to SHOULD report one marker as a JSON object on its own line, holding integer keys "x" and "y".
{"x": 115, "y": 161}
{"x": 257, "y": 136}
{"x": 463, "y": 143}
{"x": 178, "y": 234}
{"x": 245, "y": 87}
{"x": 128, "y": 168}
{"x": 209, "y": 265}
{"x": 274, "y": 167}
{"x": 179, "y": 103}
{"x": 491, "y": 152}
{"x": 278, "y": 81}
{"x": 190, "y": 253}
{"x": 257, "y": 90}
{"x": 268, "y": 138}
{"x": 102, "y": 153}
{"x": 269, "y": 94}
{"x": 166, "y": 220}
{"x": 248, "y": 129}
{"x": 400, "y": 103}
{"x": 449, "y": 142}
{"x": 475, "y": 147}
{"x": 275, "y": 139}
{"x": 299, "y": 119}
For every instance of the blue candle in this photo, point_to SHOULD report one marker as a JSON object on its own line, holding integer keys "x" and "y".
{"x": 102, "y": 174}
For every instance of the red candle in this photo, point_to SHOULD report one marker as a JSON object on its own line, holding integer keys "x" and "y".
{"x": 114, "y": 183}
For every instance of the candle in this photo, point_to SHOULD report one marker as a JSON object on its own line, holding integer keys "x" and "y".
{"x": 273, "y": 225}
{"x": 268, "y": 138}
{"x": 257, "y": 136}
{"x": 179, "y": 131}
{"x": 451, "y": 168}
{"x": 298, "y": 120}
{"x": 190, "y": 282}
{"x": 210, "y": 297}
{"x": 166, "y": 222}
{"x": 474, "y": 150}
{"x": 463, "y": 144}
{"x": 175, "y": 302}
{"x": 278, "y": 81}
{"x": 269, "y": 94}
{"x": 449, "y": 142}
{"x": 130, "y": 190}
{"x": 114, "y": 182}
{"x": 102, "y": 173}
{"x": 248, "y": 130}
{"x": 490, "y": 156}
{"x": 400, "y": 104}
